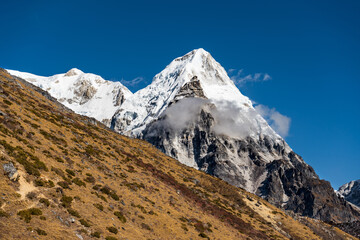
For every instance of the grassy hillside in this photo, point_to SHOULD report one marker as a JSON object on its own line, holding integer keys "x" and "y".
{"x": 76, "y": 179}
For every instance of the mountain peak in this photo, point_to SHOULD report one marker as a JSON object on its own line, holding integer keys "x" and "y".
{"x": 73, "y": 72}
{"x": 195, "y": 52}
{"x": 351, "y": 192}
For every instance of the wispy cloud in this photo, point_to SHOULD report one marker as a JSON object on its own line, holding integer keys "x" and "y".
{"x": 240, "y": 78}
{"x": 134, "y": 82}
{"x": 279, "y": 122}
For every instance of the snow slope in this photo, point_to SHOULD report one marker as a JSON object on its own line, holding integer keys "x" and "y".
{"x": 85, "y": 93}
{"x": 351, "y": 192}
{"x": 149, "y": 103}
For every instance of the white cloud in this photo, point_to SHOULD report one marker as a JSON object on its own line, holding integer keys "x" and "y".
{"x": 133, "y": 82}
{"x": 240, "y": 78}
{"x": 280, "y": 123}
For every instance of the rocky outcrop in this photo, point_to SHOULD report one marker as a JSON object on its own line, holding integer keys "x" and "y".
{"x": 352, "y": 228}
{"x": 10, "y": 170}
{"x": 260, "y": 165}
{"x": 84, "y": 91}
{"x": 190, "y": 89}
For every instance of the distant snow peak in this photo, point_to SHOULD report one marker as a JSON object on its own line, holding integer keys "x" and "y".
{"x": 85, "y": 93}
{"x": 73, "y": 72}
{"x": 351, "y": 192}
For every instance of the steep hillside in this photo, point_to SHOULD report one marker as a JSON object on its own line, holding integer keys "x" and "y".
{"x": 68, "y": 176}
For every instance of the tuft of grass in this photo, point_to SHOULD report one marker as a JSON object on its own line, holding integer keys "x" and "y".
{"x": 95, "y": 234}
{"x": 64, "y": 184}
{"x": 73, "y": 212}
{"x": 110, "y": 192}
{"x": 40, "y": 232}
{"x": 120, "y": 216}
{"x": 66, "y": 201}
{"x": 31, "y": 195}
{"x": 26, "y": 214}
{"x": 145, "y": 226}
{"x": 78, "y": 182}
{"x": 70, "y": 172}
{"x": 84, "y": 223}
{"x": 203, "y": 235}
{"x": 3, "y": 214}
{"x": 90, "y": 179}
{"x": 112, "y": 229}
{"x": 99, "y": 206}
{"x": 42, "y": 183}
{"x": 111, "y": 238}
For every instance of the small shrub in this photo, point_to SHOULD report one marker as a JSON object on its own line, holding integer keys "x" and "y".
{"x": 112, "y": 230}
{"x": 63, "y": 184}
{"x": 7, "y": 102}
{"x": 110, "y": 192}
{"x": 120, "y": 216}
{"x": 66, "y": 201}
{"x": 90, "y": 150}
{"x": 145, "y": 226}
{"x": 26, "y": 214}
{"x": 42, "y": 183}
{"x": 45, "y": 201}
{"x": 99, "y": 206}
{"x": 114, "y": 196}
{"x": 131, "y": 169}
{"x": 105, "y": 190}
{"x": 84, "y": 223}
{"x": 111, "y": 238}
{"x": 3, "y": 214}
{"x": 90, "y": 179}
{"x": 203, "y": 235}
{"x": 151, "y": 212}
{"x": 70, "y": 172}
{"x": 78, "y": 182}
{"x": 58, "y": 159}
{"x": 183, "y": 219}
{"x": 95, "y": 234}
{"x": 40, "y": 232}
{"x": 73, "y": 212}
{"x": 183, "y": 226}
{"x": 43, "y": 218}
{"x": 31, "y": 195}
{"x": 50, "y": 184}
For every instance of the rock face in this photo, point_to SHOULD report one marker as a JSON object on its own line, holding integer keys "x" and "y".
{"x": 351, "y": 192}
{"x": 84, "y": 93}
{"x": 10, "y": 170}
{"x": 261, "y": 165}
{"x": 210, "y": 126}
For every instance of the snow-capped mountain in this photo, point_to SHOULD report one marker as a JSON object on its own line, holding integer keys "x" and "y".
{"x": 351, "y": 192}
{"x": 177, "y": 81}
{"x": 84, "y": 93}
{"x": 193, "y": 112}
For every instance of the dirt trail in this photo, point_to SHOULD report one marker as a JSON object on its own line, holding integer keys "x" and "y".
{"x": 24, "y": 187}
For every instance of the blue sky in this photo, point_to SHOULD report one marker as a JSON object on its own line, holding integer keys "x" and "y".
{"x": 309, "y": 49}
